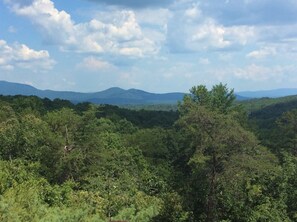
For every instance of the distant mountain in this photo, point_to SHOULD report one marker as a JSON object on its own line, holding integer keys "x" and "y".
{"x": 114, "y": 96}
{"x": 268, "y": 93}
{"x": 118, "y": 96}
{"x": 241, "y": 98}
{"x": 7, "y": 88}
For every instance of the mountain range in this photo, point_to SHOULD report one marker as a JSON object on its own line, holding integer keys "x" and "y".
{"x": 275, "y": 93}
{"x": 114, "y": 96}
{"x": 118, "y": 96}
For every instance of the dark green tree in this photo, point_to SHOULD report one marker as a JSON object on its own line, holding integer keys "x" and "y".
{"x": 287, "y": 131}
{"x": 212, "y": 136}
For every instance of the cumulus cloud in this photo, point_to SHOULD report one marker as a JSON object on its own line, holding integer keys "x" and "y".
{"x": 184, "y": 26}
{"x": 21, "y": 56}
{"x": 262, "y": 53}
{"x": 94, "y": 64}
{"x": 236, "y": 23}
{"x": 230, "y": 25}
{"x": 122, "y": 36}
{"x": 278, "y": 33}
{"x": 191, "y": 30}
{"x": 147, "y": 17}
{"x": 261, "y": 73}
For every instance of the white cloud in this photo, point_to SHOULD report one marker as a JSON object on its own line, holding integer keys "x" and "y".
{"x": 240, "y": 34}
{"x": 260, "y": 73}
{"x": 191, "y": 30}
{"x": 193, "y": 12}
{"x": 57, "y": 25}
{"x": 262, "y": 53}
{"x": 148, "y": 16}
{"x": 154, "y": 26}
{"x": 25, "y": 53}
{"x": 95, "y": 64}
{"x": 211, "y": 34}
{"x": 20, "y": 55}
{"x": 121, "y": 35}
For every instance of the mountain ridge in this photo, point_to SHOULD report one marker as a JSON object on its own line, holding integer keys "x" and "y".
{"x": 113, "y": 96}
{"x": 119, "y": 96}
{"x": 271, "y": 93}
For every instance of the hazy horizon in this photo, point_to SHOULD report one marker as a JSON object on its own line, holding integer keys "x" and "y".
{"x": 156, "y": 46}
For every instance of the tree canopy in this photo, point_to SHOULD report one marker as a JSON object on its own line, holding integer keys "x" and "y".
{"x": 208, "y": 161}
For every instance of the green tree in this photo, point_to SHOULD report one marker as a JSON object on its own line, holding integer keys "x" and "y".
{"x": 251, "y": 188}
{"x": 289, "y": 183}
{"x": 212, "y": 135}
{"x": 287, "y": 131}
{"x": 212, "y": 138}
{"x": 219, "y": 99}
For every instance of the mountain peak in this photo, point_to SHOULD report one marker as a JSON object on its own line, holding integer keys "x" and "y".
{"x": 114, "y": 95}
{"x": 9, "y": 88}
{"x": 118, "y": 96}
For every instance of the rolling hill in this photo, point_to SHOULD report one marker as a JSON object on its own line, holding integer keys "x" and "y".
{"x": 114, "y": 96}
{"x": 118, "y": 96}
{"x": 275, "y": 93}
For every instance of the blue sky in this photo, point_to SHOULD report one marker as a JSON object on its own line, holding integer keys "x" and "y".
{"x": 154, "y": 45}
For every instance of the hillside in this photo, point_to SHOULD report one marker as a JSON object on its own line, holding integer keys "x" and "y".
{"x": 252, "y": 105}
{"x": 112, "y": 96}
{"x": 61, "y": 161}
{"x": 138, "y": 98}
{"x": 267, "y": 115}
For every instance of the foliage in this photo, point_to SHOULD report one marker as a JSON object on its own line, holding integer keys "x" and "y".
{"x": 66, "y": 162}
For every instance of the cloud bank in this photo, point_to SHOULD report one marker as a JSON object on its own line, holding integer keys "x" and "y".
{"x": 122, "y": 36}
{"x": 144, "y": 41}
{"x": 21, "y": 56}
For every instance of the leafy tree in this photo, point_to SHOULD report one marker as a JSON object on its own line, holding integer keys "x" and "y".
{"x": 219, "y": 99}
{"x": 152, "y": 142}
{"x": 26, "y": 196}
{"x": 287, "y": 131}
{"x": 212, "y": 139}
{"x": 120, "y": 174}
{"x": 289, "y": 184}
{"x": 6, "y": 112}
{"x": 212, "y": 136}
{"x": 9, "y": 131}
{"x": 251, "y": 188}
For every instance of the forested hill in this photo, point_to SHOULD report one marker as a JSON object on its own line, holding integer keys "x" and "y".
{"x": 275, "y": 110}
{"x": 253, "y": 105}
{"x": 269, "y": 93}
{"x": 61, "y": 161}
{"x": 112, "y": 96}
{"x": 265, "y": 119}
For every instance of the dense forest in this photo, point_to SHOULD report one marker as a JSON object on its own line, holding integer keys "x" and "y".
{"x": 211, "y": 160}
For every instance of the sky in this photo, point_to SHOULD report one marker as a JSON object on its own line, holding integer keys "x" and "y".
{"x": 153, "y": 45}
